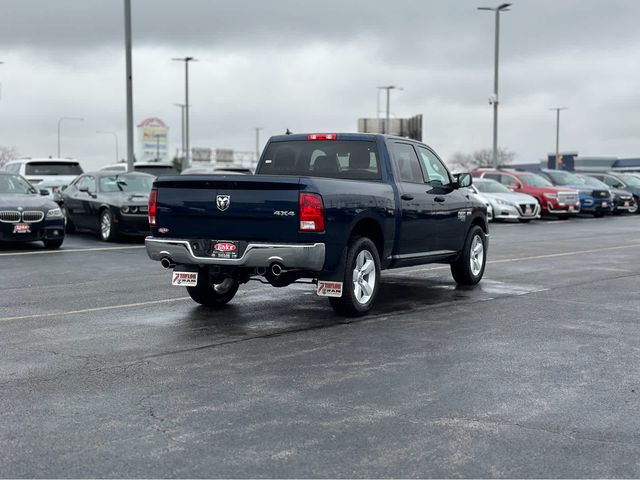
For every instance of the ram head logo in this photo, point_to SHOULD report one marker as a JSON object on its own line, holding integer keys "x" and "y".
{"x": 223, "y": 202}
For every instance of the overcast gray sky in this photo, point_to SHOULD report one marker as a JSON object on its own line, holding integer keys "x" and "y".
{"x": 314, "y": 66}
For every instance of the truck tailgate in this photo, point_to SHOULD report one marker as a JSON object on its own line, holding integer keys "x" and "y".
{"x": 257, "y": 208}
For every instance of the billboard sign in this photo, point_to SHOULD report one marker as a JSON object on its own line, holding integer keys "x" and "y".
{"x": 153, "y": 140}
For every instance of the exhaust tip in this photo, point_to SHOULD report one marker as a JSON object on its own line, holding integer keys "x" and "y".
{"x": 261, "y": 270}
{"x": 276, "y": 269}
{"x": 166, "y": 262}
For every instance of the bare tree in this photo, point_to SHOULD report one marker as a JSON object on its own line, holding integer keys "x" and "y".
{"x": 6, "y": 154}
{"x": 481, "y": 158}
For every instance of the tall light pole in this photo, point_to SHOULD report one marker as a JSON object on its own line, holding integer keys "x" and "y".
{"x": 115, "y": 136}
{"x": 60, "y": 120}
{"x": 129, "y": 82}
{"x": 557, "y": 110}
{"x": 494, "y": 100}
{"x": 388, "y": 89}
{"x": 157, "y": 147}
{"x": 1, "y": 63}
{"x": 258, "y": 143}
{"x": 181, "y": 105}
{"x": 187, "y": 157}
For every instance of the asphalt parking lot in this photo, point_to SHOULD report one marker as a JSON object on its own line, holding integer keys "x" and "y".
{"x": 106, "y": 370}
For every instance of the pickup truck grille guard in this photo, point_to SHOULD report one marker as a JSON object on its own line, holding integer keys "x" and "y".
{"x": 300, "y": 256}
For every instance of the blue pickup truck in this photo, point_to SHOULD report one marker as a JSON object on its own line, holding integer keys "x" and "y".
{"x": 335, "y": 209}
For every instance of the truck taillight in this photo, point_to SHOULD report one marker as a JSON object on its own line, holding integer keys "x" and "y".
{"x": 311, "y": 213}
{"x": 322, "y": 136}
{"x": 153, "y": 198}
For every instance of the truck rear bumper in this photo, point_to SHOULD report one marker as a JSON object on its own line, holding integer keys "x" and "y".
{"x": 299, "y": 256}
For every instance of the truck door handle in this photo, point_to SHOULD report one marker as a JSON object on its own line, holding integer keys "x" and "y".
{"x": 406, "y": 196}
{"x": 439, "y": 199}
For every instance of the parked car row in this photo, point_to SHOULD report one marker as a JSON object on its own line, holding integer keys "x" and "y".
{"x": 113, "y": 203}
{"x": 524, "y": 195}
{"x": 109, "y": 202}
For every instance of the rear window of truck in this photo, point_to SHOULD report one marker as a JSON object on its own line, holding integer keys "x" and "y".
{"x": 352, "y": 160}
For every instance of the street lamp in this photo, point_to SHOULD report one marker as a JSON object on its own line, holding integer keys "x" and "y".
{"x": 157, "y": 135}
{"x": 181, "y": 105}
{"x": 60, "y": 120}
{"x": 388, "y": 89}
{"x": 129, "y": 83}
{"x": 115, "y": 136}
{"x": 258, "y": 143}
{"x": 186, "y": 162}
{"x": 494, "y": 99}
{"x": 557, "y": 110}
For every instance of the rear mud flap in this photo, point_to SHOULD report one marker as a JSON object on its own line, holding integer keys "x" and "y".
{"x": 330, "y": 283}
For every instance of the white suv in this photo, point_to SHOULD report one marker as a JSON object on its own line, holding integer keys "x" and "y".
{"x": 57, "y": 172}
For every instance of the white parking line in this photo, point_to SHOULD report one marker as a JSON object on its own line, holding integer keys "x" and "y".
{"x": 170, "y": 300}
{"x": 70, "y": 250}
{"x": 96, "y": 309}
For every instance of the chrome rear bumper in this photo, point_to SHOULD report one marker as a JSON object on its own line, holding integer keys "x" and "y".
{"x": 291, "y": 256}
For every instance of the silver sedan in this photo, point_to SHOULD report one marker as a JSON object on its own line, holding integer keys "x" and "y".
{"x": 507, "y": 205}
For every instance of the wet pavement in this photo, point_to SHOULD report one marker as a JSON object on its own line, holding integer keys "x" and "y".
{"x": 107, "y": 370}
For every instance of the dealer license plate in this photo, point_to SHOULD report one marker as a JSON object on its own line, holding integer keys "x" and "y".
{"x": 571, "y": 208}
{"x": 528, "y": 211}
{"x": 184, "y": 279}
{"x": 605, "y": 204}
{"x": 224, "y": 249}
{"x": 626, "y": 204}
{"x": 22, "y": 228}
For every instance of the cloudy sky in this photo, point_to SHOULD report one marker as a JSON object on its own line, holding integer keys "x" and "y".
{"x": 314, "y": 66}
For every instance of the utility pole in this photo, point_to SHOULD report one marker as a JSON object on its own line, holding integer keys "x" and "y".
{"x": 129, "y": 82}
{"x": 388, "y": 88}
{"x": 60, "y": 120}
{"x": 557, "y": 110}
{"x": 258, "y": 143}
{"x": 187, "y": 158}
{"x": 181, "y": 105}
{"x": 115, "y": 136}
{"x": 494, "y": 99}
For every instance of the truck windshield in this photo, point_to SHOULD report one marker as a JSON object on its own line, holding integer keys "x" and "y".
{"x": 353, "y": 160}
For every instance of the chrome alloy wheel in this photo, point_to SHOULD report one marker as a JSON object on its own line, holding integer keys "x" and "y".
{"x": 477, "y": 255}
{"x": 364, "y": 277}
{"x": 105, "y": 225}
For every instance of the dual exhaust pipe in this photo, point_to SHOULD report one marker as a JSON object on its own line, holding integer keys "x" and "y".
{"x": 276, "y": 269}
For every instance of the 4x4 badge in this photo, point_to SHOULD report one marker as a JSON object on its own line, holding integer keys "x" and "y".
{"x": 223, "y": 202}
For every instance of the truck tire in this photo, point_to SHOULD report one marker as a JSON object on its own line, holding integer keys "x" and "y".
{"x": 469, "y": 267}
{"x": 213, "y": 294}
{"x": 361, "y": 279}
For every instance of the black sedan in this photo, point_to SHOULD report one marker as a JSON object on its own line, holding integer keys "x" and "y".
{"x": 27, "y": 215}
{"x": 109, "y": 203}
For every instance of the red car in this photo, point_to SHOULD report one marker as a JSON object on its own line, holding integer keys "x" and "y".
{"x": 557, "y": 201}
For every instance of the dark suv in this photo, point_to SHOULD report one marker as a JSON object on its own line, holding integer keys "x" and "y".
{"x": 623, "y": 181}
